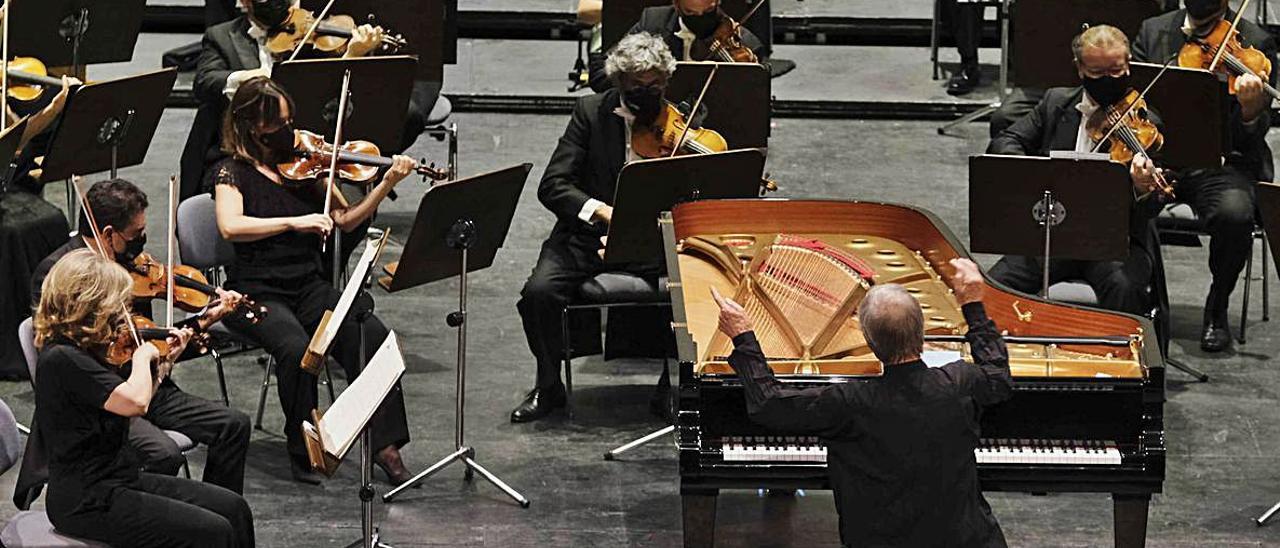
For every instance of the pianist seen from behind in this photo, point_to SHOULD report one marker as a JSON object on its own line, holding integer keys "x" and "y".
{"x": 900, "y": 447}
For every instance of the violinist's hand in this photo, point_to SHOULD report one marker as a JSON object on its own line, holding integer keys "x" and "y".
{"x": 60, "y": 100}
{"x": 733, "y": 318}
{"x": 401, "y": 167}
{"x": 227, "y": 303}
{"x": 602, "y": 214}
{"x": 178, "y": 339}
{"x": 145, "y": 355}
{"x": 364, "y": 39}
{"x": 315, "y": 223}
{"x": 1142, "y": 171}
{"x": 1252, "y": 99}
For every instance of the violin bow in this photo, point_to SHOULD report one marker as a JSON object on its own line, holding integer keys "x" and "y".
{"x": 1222, "y": 49}
{"x": 4, "y": 67}
{"x": 101, "y": 250}
{"x": 170, "y": 250}
{"x": 331, "y": 185}
{"x": 694, "y": 111}
{"x": 311, "y": 30}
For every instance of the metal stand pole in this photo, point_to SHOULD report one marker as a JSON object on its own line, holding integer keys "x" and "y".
{"x": 613, "y": 454}
{"x": 368, "y": 532}
{"x": 1265, "y": 517}
{"x": 1047, "y": 218}
{"x": 460, "y": 237}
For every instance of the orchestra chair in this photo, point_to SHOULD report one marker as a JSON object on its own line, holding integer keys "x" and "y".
{"x": 29, "y": 528}
{"x": 27, "y": 337}
{"x": 935, "y": 35}
{"x": 202, "y": 246}
{"x": 1179, "y": 225}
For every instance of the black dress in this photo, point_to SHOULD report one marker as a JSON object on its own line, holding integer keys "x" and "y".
{"x": 95, "y": 488}
{"x": 284, "y": 273}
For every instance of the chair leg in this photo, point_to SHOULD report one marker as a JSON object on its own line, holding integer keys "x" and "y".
{"x": 186, "y": 467}
{"x": 262, "y": 396}
{"x": 933, "y": 39}
{"x": 222, "y": 377}
{"x": 1244, "y": 304}
{"x": 568, "y": 361}
{"x": 328, "y": 382}
{"x": 1266, "y": 280}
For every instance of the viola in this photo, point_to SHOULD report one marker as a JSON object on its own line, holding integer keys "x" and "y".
{"x": 358, "y": 161}
{"x": 726, "y": 44}
{"x": 1237, "y": 59}
{"x": 1127, "y": 126}
{"x": 191, "y": 292}
{"x": 120, "y": 352}
{"x": 658, "y": 139}
{"x": 330, "y": 36}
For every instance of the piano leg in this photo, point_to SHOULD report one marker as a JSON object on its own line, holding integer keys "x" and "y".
{"x": 699, "y": 509}
{"x": 1130, "y": 520}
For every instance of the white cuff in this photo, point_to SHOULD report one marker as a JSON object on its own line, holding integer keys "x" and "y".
{"x": 589, "y": 209}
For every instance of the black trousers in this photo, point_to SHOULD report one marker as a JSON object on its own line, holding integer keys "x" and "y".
{"x": 1224, "y": 199}
{"x": 1120, "y": 285}
{"x": 160, "y": 510}
{"x": 285, "y": 332}
{"x": 566, "y": 261}
{"x": 964, "y": 20}
{"x": 223, "y": 430}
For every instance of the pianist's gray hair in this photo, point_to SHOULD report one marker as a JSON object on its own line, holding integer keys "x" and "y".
{"x": 892, "y": 323}
{"x": 637, "y": 53}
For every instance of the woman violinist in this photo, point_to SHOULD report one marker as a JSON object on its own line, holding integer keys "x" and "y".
{"x": 85, "y": 408}
{"x": 277, "y": 226}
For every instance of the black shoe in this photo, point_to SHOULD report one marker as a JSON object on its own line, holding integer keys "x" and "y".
{"x": 302, "y": 473}
{"x": 778, "y": 67}
{"x": 392, "y": 465}
{"x": 1215, "y": 338}
{"x": 963, "y": 82}
{"x": 539, "y": 403}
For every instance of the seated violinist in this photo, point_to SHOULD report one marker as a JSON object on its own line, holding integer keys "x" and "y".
{"x": 235, "y": 51}
{"x": 1061, "y": 122}
{"x": 88, "y": 408}
{"x": 276, "y": 226}
{"x": 577, "y": 186}
{"x": 686, "y": 27}
{"x": 119, "y": 207}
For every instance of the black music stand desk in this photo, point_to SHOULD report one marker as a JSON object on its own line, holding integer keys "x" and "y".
{"x": 738, "y": 102}
{"x": 646, "y": 188}
{"x": 379, "y": 92}
{"x": 76, "y": 32}
{"x": 1185, "y": 99}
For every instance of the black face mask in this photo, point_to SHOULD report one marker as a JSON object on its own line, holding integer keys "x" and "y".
{"x": 278, "y": 144}
{"x": 1107, "y": 90}
{"x": 702, "y": 26}
{"x": 271, "y": 13}
{"x": 1200, "y": 9}
{"x": 643, "y": 102}
{"x": 132, "y": 248}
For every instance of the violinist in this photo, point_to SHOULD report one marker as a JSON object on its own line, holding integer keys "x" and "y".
{"x": 119, "y": 208}
{"x": 577, "y": 186}
{"x": 1223, "y": 197}
{"x": 88, "y": 410}
{"x": 1061, "y": 122}
{"x": 276, "y": 227}
{"x": 684, "y": 26}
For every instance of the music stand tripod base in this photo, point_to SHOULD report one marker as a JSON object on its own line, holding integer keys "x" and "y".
{"x": 613, "y": 453}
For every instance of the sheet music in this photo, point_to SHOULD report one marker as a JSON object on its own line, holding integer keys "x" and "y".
{"x": 349, "y": 293}
{"x": 343, "y": 421}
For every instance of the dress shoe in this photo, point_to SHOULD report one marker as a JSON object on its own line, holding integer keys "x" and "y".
{"x": 302, "y": 473}
{"x": 388, "y": 459}
{"x": 778, "y": 67}
{"x": 1215, "y": 338}
{"x": 539, "y": 403}
{"x": 963, "y": 82}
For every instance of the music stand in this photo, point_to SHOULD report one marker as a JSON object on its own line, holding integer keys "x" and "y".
{"x": 649, "y": 187}
{"x": 379, "y": 94}
{"x": 76, "y": 32}
{"x": 1180, "y": 98}
{"x": 458, "y": 229}
{"x": 739, "y": 99}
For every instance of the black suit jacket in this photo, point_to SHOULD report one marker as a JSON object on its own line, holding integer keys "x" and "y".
{"x": 226, "y": 48}
{"x": 1161, "y": 37}
{"x": 585, "y": 165}
{"x": 662, "y": 21}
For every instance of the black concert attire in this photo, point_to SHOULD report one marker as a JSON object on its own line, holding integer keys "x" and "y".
{"x": 231, "y": 47}
{"x": 899, "y": 448}
{"x": 95, "y": 488}
{"x": 582, "y": 171}
{"x": 1120, "y": 285}
{"x": 1223, "y": 197}
{"x": 964, "y": 20}
{"x": 284, "y": 274}
{"x": 223, "y": 430}
{"x": 664, "y": 22}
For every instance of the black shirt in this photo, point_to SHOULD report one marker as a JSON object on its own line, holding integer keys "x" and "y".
{"x": 286, "y": 257}
{"x": 899, "y": 448}
{"x": 85, "y": 444}
{"x": 42, "y": 269}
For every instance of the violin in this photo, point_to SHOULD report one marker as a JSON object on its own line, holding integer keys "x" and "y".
{"x": 35, "y": 77}
{"x": 726, "y": 45}
{"x": 191, "y": 291}
{"x": 658, "y": 139}
{"x": 1236, "y": 58}
{"x": 1128, "y": 128}
{"x": 358, "y": 161}
{"x": 120, "y": 352}
{"x": 330, "y": 36}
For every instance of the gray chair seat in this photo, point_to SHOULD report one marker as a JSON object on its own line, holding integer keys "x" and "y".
{"x": 1076, "y": 292}
{"x": 440, "y": 111}
{"x": 183, "y": 442}
{"x": 31, "y": 529}
{"x": 1178, "y": 224}
{"x": 621, "y": 287}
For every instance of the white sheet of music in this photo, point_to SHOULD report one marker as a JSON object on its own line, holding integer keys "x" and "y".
{"x": 342, "y": 422}
{"x": 352, "y": 290}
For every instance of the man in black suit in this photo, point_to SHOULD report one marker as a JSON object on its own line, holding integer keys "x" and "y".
{"x": 683, "y": 26}
{"x": 900, "y": 448}
{"x": 1223, "y": 197}
{"x": 1057, "y": 123}
{"x": 235, "y": 51}
{"x": 577, "y": 186}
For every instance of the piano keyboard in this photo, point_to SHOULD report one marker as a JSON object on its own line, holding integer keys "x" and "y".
{"x": 989, "y": 451}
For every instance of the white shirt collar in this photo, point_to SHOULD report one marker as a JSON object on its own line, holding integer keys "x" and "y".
{"x": 1187, "y": 27}
{"x": 1087, "y": 106}
{"x": 623, "y": 112}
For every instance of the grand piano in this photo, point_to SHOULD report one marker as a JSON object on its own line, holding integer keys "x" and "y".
{"x": 1087, "y": 410}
